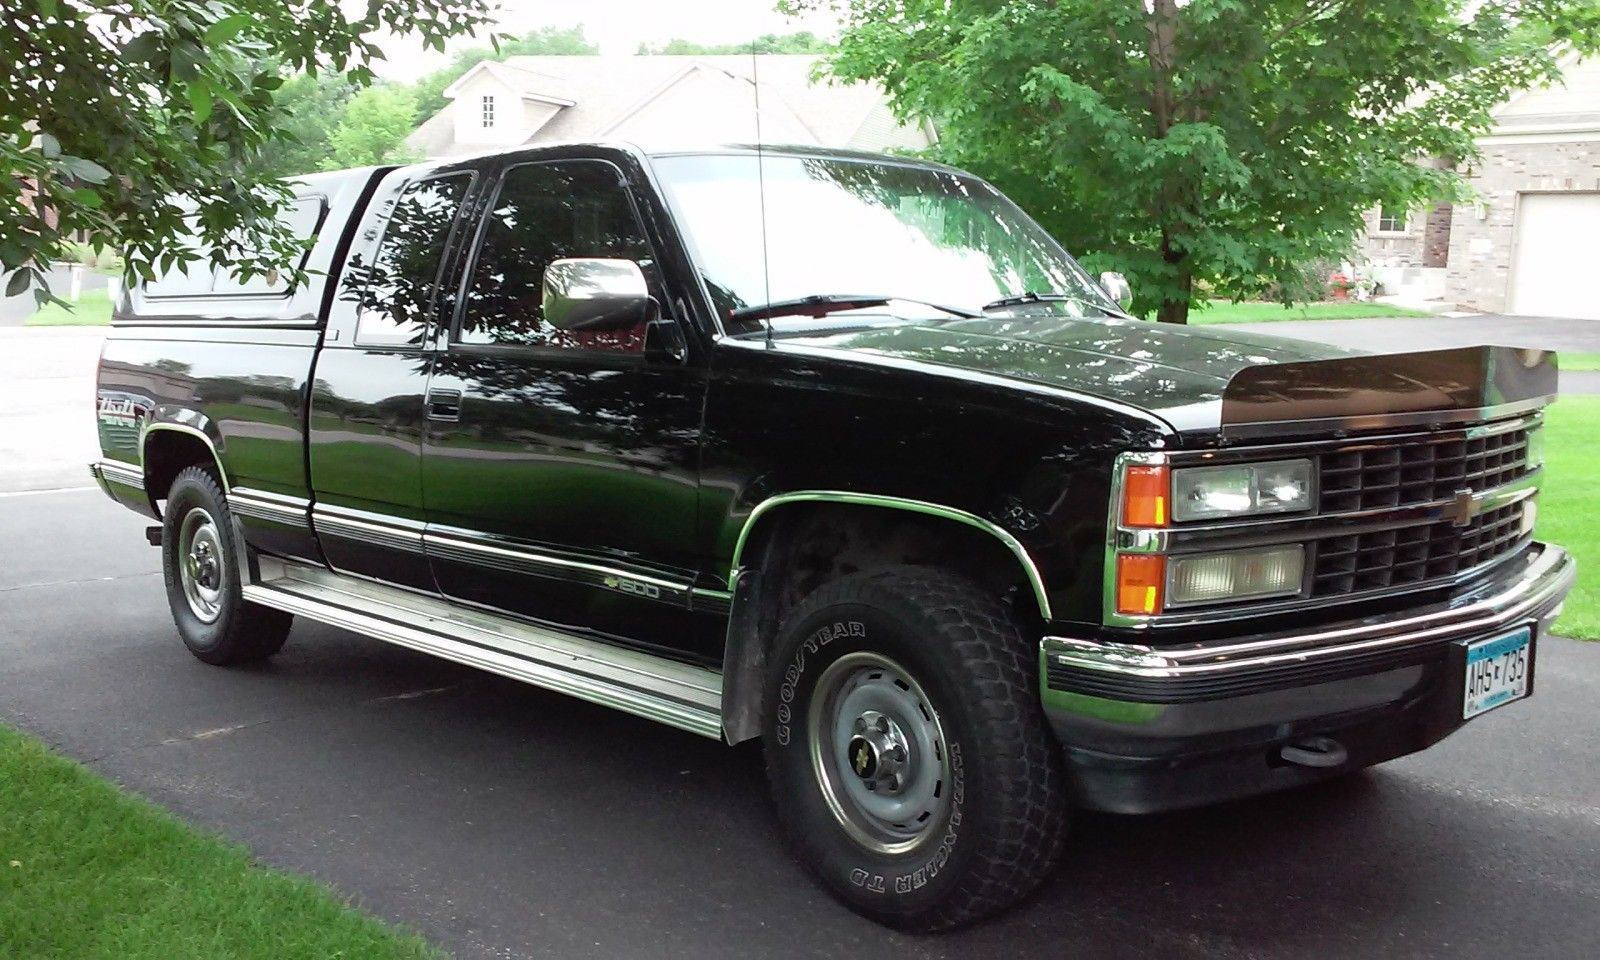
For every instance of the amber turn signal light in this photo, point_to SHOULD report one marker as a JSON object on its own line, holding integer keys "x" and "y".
{"x": 1141, "y": 578}
{"x": 1145, "y": 490}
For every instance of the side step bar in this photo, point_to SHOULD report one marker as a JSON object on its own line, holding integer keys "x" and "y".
{"x": 677, "y": 694}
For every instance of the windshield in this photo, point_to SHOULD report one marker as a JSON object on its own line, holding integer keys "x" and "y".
{"x": 837, "y": 226}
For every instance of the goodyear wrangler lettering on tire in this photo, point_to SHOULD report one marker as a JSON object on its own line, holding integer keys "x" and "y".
{"x": 920, "y": 876}
{"x": 791, "y": 675}
{"x": 905, "y": 883}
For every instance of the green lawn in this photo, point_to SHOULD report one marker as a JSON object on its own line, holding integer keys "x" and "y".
{"x": 1221, "y": 311}
{"x": 1578, "y": 361}
{"x": 1566, "y": 505}
{"x": 89, "y": 872}
{"x": 92, "y": 309}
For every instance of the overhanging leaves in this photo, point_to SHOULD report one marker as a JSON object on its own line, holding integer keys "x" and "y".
{"x": 135, "y": 122}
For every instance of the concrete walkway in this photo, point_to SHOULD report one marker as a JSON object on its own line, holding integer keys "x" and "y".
{"x": 47, "y": 424}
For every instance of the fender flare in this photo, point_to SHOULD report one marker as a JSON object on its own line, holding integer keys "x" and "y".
{"x": 155, "y": 426}
{"x": 744, "y": 655}
{"x": 1029, "y": 568}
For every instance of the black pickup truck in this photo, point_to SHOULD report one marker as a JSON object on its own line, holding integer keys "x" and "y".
{"x": 845, "y": 453}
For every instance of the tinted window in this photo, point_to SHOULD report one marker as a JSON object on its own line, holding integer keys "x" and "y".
{"x": 547, "y": 212}
{"x": 396, "y": 289}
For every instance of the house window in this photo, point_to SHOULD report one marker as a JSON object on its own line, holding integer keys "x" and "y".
{"x": 1391, "y": 220}
{"x": 488, "y": 110}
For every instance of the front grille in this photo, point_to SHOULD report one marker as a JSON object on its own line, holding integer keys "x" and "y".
{"x": 1420, "y": 470}
{"x": 1355, "y": 563}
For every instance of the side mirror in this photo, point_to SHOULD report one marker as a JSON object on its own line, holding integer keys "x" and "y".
{"x": 596, "y": 295}
{"x": 1117, "y": 288}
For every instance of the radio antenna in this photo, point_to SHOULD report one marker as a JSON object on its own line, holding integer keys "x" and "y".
{"x": 761, "y": 188}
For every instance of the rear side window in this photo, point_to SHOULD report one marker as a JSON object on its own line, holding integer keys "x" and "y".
{"x": 396, "y": 301}
{"x": 547, "y": 212}
{"x": 199, "y": 279}
{"x": 304, "y": 217}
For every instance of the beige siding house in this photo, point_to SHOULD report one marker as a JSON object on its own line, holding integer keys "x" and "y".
{"x": 1531, "y": 242}
{"x": 660, "y": 101}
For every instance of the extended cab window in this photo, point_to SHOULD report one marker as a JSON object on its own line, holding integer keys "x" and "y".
{"x": 547, "y": 212}
{"x": 395, "y": 304}
{"x": 198, "y": 278}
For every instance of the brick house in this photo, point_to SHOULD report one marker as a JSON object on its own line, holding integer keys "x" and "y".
{"x": 1530, "y": 243}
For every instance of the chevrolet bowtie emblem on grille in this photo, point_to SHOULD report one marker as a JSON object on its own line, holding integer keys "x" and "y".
{"x": 1460, "y": 511}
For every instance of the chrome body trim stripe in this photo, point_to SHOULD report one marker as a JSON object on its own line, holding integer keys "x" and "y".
{"x": 467, "y": 547}
{"x": 121, "y": 474}
{"x": 350, "y": 524}
{"x": 270, "y": 507}
{"x": 1029, "y": 568}
{"x": 714, "y": 601}
{"x": 1534, "y": 592}
{"x": 677, "y": 694}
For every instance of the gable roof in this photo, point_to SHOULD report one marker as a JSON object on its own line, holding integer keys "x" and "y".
{"x": 531, "y": 84}
{"x": 604, "y": 92}
{"x": 1572, "y": 105}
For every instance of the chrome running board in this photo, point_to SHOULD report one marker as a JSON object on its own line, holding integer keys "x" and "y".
{"x": 677, "y": 694}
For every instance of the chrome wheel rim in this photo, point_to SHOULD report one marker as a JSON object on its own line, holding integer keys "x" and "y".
{"x": 200, "y": 570}
{"x": 878, "y": 752}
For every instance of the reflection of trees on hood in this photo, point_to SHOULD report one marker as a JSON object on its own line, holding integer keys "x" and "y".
{"x": 398, "y": 282}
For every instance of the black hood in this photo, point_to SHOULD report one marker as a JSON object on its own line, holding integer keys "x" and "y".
{"x": 1175, "y": 372}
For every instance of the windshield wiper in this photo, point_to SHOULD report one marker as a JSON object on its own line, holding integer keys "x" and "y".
{"x": 822, "y": 304}
{"x": 1031, "y": 297}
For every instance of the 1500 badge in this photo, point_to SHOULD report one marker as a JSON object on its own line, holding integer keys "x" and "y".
{"x": 636, "y": 587}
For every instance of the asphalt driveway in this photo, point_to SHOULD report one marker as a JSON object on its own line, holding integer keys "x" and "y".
{"x": 501, "y": 821}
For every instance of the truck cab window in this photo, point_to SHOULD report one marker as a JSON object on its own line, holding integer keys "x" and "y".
{"x": 395, "y": 291}
{"x": 547, "y": 212}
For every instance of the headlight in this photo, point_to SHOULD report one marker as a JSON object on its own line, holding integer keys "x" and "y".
{"x": 1241, "y": 490}
{"x": 1235, "y": 575}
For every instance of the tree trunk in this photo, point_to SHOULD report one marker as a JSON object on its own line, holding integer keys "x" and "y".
{"x": 1163, "y": 28}
{"x": 1176, "y": 309}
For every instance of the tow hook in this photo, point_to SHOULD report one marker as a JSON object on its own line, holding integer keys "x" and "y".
{"x": 1315, "y": 752}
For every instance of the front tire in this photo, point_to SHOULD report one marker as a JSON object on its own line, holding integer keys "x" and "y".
{"x": 199, "y": 560}
{"x": 909, "y": 758}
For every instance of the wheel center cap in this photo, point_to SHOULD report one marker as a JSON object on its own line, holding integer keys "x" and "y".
{"x": 863, "y": 757}
{"x": 878, "y": 752}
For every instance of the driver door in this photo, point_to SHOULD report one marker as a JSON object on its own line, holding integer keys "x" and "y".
{"x": 560, "y": 466}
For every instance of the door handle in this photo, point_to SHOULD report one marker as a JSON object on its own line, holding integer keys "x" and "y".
{"x": 444, "y": 404}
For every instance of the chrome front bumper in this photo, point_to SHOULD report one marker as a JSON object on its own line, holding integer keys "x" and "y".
{"x": 1529, "y": 588}
{"x": 1157, "y": 727}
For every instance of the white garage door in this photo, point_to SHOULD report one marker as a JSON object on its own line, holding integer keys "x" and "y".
{"x": 1558, "y": 248}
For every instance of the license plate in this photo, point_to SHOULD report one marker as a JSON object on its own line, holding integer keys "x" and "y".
{"x": 1497, "y": 671}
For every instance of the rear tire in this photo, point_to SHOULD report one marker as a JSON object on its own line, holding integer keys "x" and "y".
{"x": 909, "y": 758}
{"x": 199, "y": 559}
